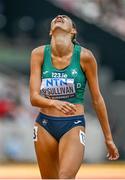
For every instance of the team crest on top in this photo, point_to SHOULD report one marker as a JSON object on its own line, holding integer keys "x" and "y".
{"x": 74, "y": 72}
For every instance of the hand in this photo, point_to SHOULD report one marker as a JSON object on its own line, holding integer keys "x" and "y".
{"x": 113, "y": 153}
{"x": 65, "y": 107}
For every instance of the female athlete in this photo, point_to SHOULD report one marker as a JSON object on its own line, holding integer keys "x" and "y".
{"x": 59, "y": 72}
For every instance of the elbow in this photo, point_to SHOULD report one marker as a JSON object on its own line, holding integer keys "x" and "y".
{"x": 33, "y": 100}
{"x": 97, "y": 100}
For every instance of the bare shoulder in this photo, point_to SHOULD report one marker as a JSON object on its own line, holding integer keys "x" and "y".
{"x": 86, "y": 55}
{"x": 38, "y": 50}
{"x": 87, "y": 58}
{"x": 37, "y": 54}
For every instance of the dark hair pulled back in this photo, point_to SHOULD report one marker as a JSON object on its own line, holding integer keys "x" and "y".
{"x": 74, "y": 41}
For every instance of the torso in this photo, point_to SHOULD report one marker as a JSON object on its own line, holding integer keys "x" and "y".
{"x": 57, "y": 113}
{"x": 57, "y": 65}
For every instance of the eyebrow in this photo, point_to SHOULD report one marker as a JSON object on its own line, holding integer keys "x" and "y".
{"x": 65, "y": 16}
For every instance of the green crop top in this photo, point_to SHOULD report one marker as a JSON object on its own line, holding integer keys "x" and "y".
{"x": 66, "y": 84}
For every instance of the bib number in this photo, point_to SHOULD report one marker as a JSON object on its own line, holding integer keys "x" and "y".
{"x": 82, "y": 137}
{"x": 35, "y": 133}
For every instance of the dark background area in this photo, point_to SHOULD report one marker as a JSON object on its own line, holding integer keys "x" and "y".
{"x": 111, "y": 48}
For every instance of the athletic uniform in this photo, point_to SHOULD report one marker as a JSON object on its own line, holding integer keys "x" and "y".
{"x": 66, "y": 84}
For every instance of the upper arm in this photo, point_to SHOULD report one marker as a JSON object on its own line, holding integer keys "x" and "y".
{"x": 89, "y": 64}
{"x": 35, "y": 70}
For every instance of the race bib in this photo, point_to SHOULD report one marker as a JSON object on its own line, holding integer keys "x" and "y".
{"x": 57, "y": 88}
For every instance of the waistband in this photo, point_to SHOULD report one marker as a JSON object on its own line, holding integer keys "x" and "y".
{"x": 41, "y": 115}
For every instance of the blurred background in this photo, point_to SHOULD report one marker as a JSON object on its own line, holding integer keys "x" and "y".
{"x": 25, "y": 25}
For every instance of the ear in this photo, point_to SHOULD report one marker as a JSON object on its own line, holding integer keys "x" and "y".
{"x": 74, "y": 31}
{"x": 50, "y": 33}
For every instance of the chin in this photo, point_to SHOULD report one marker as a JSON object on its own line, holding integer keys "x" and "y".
{"x": 58, "y": 26}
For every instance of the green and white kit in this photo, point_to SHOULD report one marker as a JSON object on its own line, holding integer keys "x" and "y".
{"x": 67, "y": 84}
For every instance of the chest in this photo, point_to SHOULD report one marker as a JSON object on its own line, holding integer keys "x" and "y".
{"x": 61, "y": 62}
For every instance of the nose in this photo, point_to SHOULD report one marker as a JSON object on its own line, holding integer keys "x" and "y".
{"x": 59, "y": 16}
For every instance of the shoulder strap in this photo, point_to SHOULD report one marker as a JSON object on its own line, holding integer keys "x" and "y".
{"x": 78, "y": 51}
{"x": 76, "y": 58}
{"x": 46, "y": 55}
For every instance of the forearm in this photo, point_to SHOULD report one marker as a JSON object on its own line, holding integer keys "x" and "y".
{"x": 101, "y": 112}
{"x": 40, "y": 101}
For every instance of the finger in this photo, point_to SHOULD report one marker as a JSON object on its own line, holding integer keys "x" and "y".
{"x": 116, "y": 156}
{"x": 72, "y": 106}
{"x": 64, "y": 110}
{"x": 107, "y": 155}
{"x": 59, "y": 108}
{"x": 113, "y": 156}
{"x": 110, "y": 158}
{"x": 67, "y": 111}
{"x": 67, "y": 107}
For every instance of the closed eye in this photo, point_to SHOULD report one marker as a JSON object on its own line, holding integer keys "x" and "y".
{"x": 64, "y": 16}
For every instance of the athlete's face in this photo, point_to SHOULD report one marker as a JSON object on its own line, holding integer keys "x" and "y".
{"x": 63, "y": 22}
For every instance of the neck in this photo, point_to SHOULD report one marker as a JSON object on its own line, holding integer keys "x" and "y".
{"x": 60, "y": 43}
